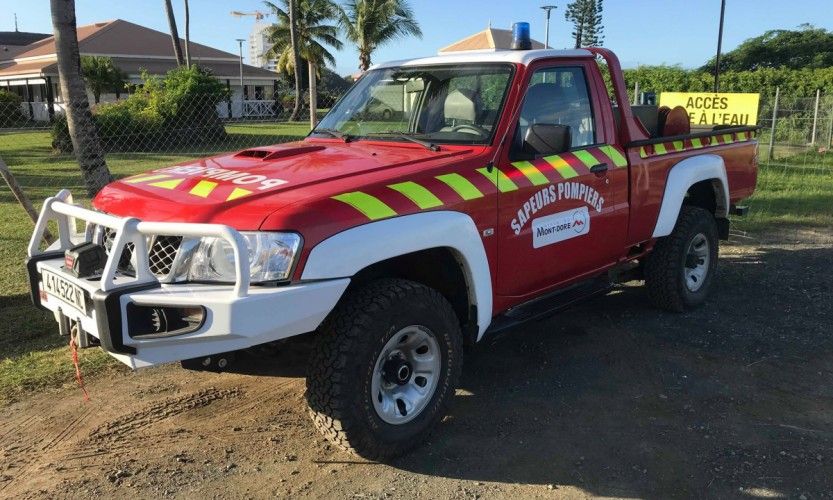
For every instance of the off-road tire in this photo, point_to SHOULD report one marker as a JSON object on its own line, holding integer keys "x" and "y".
{"x": 665, "y": 266}
{"x": 343, "y": 361}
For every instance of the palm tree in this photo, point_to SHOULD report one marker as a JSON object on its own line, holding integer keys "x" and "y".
{"x": 101, "y": 75}
{"x": 372, "y": 23}
{"x": 187, "y": 35}
{"x": 169, "y": 11}
{"x": 85, "y": 141}
{"x": 313, "y": 34}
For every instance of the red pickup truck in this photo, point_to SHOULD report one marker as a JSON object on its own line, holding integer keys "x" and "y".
{"x": 498, "y": 188}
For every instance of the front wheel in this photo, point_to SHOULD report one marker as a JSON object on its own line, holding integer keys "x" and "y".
{"x": 385, "y": 367}
{"x": 680, "y": 270}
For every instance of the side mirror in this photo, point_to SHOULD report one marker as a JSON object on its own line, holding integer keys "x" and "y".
{"x": 546, "y": 139}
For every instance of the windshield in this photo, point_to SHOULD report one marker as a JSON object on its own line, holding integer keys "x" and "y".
{"x": 451, "y": 104}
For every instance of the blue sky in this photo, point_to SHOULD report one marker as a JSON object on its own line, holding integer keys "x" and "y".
{"x": 644, "y": 32}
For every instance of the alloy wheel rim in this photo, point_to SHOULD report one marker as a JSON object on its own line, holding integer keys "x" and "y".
{"x": 697, "y": 261}
{"x": 406, "y": 374}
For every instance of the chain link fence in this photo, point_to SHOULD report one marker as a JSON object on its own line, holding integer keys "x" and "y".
{"x": 795, "y": 179}
{"x": 135, "y": 136}
{"x": 139, "y": 134}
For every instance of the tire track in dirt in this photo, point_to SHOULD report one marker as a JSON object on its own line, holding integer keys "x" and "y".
{"x": 28, "y": 457}
{"x": 121, "y": 428}
{"x": 110, "y": 438}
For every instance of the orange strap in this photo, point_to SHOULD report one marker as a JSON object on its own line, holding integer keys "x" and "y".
{"x": 74, "y": 350}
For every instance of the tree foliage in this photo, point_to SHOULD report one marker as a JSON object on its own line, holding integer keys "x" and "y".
{"x": 797, "y": 83}
{"x": 370, "y": 24}
{"x": 806, "y": 47}
{"x": 314, "y": 34}
{"x": 101, "y": 75}
{"x": 799, "y": 62}
{"x": 586, "y": 16}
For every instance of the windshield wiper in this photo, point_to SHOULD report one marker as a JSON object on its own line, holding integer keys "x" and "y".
{"x": 338, "y": 134}
{"x": 401, "y": 135}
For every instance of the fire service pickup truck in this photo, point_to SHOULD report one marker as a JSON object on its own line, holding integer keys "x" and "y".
{"x": 507, "y": 185}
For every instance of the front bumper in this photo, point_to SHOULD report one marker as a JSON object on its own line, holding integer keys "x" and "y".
{"x": 235, "y": 316}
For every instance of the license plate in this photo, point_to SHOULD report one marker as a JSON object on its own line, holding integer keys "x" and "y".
{"x": 64, "y": 290}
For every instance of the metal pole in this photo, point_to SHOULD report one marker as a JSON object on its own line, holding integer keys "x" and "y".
{"x": 830, "y": 132}
{"x": 547, "y": 8}
{"x": 719, "y": 44}
{"x": 815, "y": 117}
{"x": 772, "y": 129}
{"x": 636, "y": 93}
{"x": 242, "y": 93}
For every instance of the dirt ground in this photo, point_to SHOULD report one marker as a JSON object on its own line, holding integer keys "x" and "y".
{"x": 610, "y": 398}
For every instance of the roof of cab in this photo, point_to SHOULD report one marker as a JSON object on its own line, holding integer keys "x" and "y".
{"x": 524, "y": 57}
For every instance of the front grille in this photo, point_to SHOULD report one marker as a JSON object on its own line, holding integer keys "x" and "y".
{"x": 161, "y": 255}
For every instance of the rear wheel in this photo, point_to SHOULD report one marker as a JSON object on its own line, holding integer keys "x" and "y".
{"x": 385, "y": 368}
{"x": 680, "y": 270}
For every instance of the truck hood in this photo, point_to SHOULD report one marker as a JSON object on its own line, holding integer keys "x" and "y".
{"x": 242, "y": 189}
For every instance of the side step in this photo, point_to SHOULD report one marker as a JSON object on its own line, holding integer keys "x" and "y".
{"x": 549, "y": 304}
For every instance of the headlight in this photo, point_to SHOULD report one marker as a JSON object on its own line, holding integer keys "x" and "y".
{"x": 271, "y": 256}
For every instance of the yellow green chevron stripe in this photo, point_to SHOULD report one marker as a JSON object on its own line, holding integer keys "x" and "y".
{"x": 203, "y": 188}
{"x": 533, "y": 174}
{"x": 169, "y": 184}
{"x": 561, "y": 166}
{"x": 146, "y": 178}
{"x": 463, "y": 186}
{"x": 585, "y": 157}
{"x": 373, "y": 208}
{"x": 502, "y": 181}
{"x": 422, "y": 197}
{"x": 618, "y": 158}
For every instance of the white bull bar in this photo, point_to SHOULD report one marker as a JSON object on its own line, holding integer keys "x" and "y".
{"x": 235, "y": 317}
{"x": 131, "y": 230}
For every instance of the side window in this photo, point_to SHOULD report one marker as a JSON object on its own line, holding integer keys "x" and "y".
{"x": 559, "y": 96}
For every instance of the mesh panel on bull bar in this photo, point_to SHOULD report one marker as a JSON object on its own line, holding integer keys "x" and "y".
{"x": 161, "y": 255}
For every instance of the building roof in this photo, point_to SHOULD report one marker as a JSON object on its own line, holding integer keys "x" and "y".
{"x": 488, "y": 39}
{"x": 18, "y": 38}
{"x": 131, "y": 46}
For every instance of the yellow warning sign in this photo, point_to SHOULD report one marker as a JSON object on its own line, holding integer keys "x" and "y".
{"x": 705, "y": 108}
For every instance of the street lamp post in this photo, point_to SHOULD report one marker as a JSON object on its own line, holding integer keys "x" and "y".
{"x": 242, "y": 92}
{"x": 719, "y": 43}
{"x": 547, "y": 9}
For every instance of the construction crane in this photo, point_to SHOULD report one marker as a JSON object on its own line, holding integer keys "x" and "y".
{"x": 258, "y": 15}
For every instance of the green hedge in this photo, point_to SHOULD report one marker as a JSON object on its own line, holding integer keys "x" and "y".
{"x": 10, "y": 112}
{"x": 180, "y": 109}
{"x": 793, "y": 82}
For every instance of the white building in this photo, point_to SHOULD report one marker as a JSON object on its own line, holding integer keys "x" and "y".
{"x": 258, "y": 46}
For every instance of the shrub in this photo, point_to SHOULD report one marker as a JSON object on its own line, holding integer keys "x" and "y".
{"x": 10, "y": 112}
{"x": 178, "y": 110}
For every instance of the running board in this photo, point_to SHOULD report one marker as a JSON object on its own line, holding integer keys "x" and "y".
{"x": 548, "y": 304}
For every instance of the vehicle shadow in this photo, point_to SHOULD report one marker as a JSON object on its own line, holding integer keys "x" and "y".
{"x": 620, "y": 399}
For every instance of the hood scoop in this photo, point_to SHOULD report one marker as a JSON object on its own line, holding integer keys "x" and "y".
{"x": 276, "y": 154}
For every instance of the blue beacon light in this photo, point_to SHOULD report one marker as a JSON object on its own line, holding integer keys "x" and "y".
{"x": 520, "y": 37}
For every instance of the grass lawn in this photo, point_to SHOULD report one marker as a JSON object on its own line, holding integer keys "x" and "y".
{"x": 33, "y": 356}
{"x": 790, "y": 196}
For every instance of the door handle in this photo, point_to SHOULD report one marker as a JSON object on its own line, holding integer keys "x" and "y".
{"x": 599, "y": 169}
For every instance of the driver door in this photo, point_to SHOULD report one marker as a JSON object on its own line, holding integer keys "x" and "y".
{"x": 557, "y": 219}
